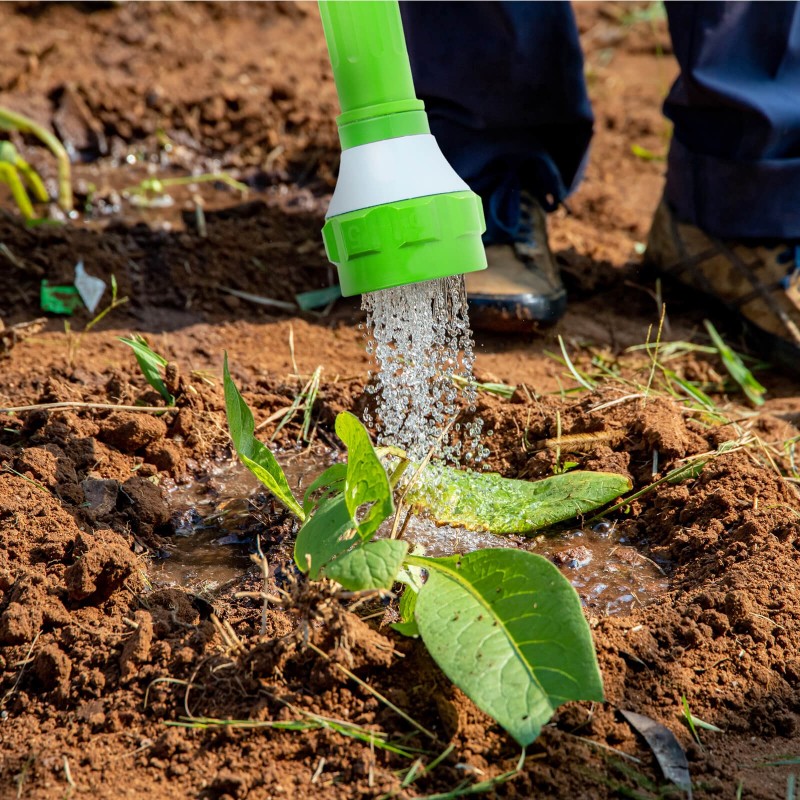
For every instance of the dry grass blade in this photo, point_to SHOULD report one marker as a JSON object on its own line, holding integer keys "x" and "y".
{"x": 24, "y": 663}
{"x": 78, "y": 404}
{"x": 304, "y": 401}
{"x": 375, "y": 693}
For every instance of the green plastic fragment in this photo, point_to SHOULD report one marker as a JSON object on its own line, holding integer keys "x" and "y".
{"x": 59, "y": 299}
{"x": 318, "y": 298}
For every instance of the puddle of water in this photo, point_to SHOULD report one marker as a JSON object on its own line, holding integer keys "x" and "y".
{"x": 216, "y": 521}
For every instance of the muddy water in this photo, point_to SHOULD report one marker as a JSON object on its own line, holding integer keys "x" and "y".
{"x": 216, "y": 521}
{"x": 610, "y": 576}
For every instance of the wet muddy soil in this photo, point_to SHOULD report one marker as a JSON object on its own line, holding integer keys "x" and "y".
{"x": 216, "y": 528}
{"x": 104, "y": 655}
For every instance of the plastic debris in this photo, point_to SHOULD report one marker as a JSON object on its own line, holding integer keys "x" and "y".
{"x": 59, "y": 299}
{"x": 318, "y": 298}
{"x": 666, "y": 748}
{"x": 90, "y": 289}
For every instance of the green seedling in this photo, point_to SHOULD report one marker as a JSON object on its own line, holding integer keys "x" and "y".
{"x": 15, "y": 172}
{"x": 74, "y": 340}
{"x": 694, "y": 722}
{"x": 504, "y": 390}
{"x": 151, "y": 192}
{"x": 503, "y": 624}
{"x": 151, "y": 363}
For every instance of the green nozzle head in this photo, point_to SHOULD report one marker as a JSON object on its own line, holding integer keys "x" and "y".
{"x": 399, "y": 214}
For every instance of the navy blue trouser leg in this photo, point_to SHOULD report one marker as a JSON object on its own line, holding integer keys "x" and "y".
{"x": 503, "y": 82}
{"x": 734, "y": 162}
{"x": 503, "y": 85}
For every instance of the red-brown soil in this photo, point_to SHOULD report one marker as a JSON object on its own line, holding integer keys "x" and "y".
{"x": 94, "y": 661}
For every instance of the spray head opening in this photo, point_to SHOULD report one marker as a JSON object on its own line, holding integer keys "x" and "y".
{"x": 400, "y": 215}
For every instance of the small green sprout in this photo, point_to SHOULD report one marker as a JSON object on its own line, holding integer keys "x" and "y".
{"x": 151, "y": 364}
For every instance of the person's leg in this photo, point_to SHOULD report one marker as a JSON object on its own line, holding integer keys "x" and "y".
{"x": 734, "y": 163}
{"x": 503, "y": 86}
{"x": 504, "y": 89}
{"x": 729, "y": 224}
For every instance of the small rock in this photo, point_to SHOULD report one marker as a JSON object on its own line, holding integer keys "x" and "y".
{"x": 101, "y": 495}
{"x": 146, "y": 501}
{"x": 166, "y": 456}
{"x": 183, "y": 423}
{"x": 104, "y": 562}
{"x": 573, "y": 557}
{"x": 53, "y": 668}
{"x": 40, "y": 464}
{"x": 137, "y": 648}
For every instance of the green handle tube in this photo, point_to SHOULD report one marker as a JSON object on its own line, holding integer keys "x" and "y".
{"x": 372, "y": 71}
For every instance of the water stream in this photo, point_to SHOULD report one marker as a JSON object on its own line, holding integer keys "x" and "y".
{"x": 215, "y": 530}
{"x": 420, "y": 337}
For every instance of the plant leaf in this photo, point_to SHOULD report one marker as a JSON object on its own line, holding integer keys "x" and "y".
{"x": 408, "y": 602}
{"x": 488, "y": 501}
{"x": 507, "y": 628}
{"x": 347, "y": 489}
{"x": 366, "y": 483}
{"x": 369, "y": 565}
{"x": 254, "y": 455}
{"x": 324, "y": 535}
{"x": 151, "y": 364}
{"x": 332, "y": 481}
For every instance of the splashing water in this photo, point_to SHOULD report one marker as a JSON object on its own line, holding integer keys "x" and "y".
{"x": 420, "y": 337}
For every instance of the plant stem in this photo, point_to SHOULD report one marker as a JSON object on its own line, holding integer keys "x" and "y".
{"x": 9, "y": 120}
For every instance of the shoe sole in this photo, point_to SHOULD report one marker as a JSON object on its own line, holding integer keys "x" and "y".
{"x": 523, "y": 313}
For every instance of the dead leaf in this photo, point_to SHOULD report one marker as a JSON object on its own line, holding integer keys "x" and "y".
{"x": 666, "y": 748}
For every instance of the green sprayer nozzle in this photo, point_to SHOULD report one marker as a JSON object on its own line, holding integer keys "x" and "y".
{"x": 399, "y": 214}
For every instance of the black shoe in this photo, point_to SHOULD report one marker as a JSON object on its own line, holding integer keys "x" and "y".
{"x": 521, "y": 290}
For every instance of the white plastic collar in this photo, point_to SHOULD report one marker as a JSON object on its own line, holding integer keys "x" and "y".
{"x": 391, "y": 170}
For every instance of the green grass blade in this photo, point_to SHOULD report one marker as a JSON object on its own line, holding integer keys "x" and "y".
{"x": 690, "y": 719}
{"x": 736, "y": 368}
{"x": 583, "y": 380}
{"x": 253, "y": 454}
{"x": 151, "y": 364}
